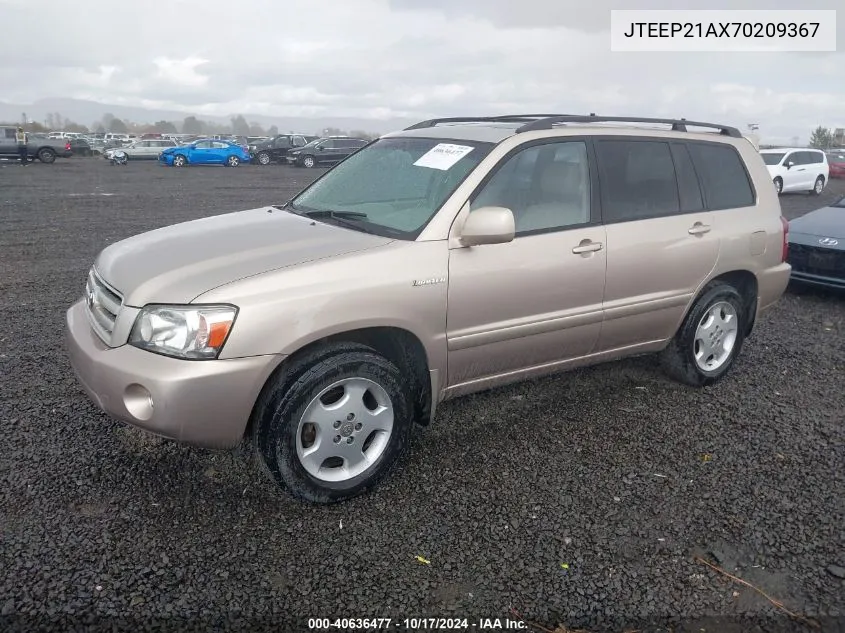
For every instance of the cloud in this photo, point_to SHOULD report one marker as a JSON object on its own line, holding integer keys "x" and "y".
{"x": 380, "y": 59}
{"x": 181, "y": 72}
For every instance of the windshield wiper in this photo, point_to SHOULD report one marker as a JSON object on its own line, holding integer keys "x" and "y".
{"x": 352, "y": 219}
{"x": 342, "y": 215}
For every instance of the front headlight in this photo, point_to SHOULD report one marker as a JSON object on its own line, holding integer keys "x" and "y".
{"x": 189, "y": 332}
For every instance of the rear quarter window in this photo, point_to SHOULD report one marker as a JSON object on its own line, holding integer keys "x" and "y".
{"x": 723, "y": 176}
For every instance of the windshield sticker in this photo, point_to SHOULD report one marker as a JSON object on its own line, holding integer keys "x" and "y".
{"x": 443, "y": 156}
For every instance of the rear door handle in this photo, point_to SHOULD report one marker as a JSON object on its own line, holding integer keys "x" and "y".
{"x": 699, "y": 229}
{"x": 587, "y": 247}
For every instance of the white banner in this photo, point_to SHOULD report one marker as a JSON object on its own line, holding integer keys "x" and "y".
{"x": 723, "y": 31}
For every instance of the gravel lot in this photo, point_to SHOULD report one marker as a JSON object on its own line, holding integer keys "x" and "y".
{"x": 601, "y": 470}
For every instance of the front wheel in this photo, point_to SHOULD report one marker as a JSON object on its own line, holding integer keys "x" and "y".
{"x": 818, "y": 186}
{"x": 233, "y": 161}
{"x": 179, "y": 160}
{"x": 333, "y": 428}
{"x": 46, "y": 155}
{"x": 710, "y": 338}
{"x": 778, "y": 184}
{"x": 309, "y": 162}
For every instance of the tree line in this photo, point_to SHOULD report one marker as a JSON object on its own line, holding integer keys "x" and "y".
{"x": 826, "y": 138}
{"x": 55, "y": 122}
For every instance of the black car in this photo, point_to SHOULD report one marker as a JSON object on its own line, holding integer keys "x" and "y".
{"x": 326, "y": 150}
{"x": 81, "y": 147}
{"x": 817, "y": 247}
{"x": 276, "y": 149}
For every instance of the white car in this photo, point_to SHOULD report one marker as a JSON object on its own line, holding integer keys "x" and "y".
{"x": 797, "y": 169}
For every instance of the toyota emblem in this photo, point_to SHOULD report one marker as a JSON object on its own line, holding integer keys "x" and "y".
{"x": 828, "y": 241}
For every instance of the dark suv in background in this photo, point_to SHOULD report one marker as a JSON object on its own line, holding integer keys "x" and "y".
{"x": 331, "y": 149}
{"x": 276, "y": 149}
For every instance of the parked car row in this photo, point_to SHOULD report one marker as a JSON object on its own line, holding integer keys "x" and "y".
{"x": 305, "y": 151}
{"x": 294, "y": 149}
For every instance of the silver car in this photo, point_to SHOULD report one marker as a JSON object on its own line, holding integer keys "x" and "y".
{"x": 148, "y": 149}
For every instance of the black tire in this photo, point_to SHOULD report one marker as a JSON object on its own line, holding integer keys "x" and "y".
{"x": 181, "y": 159}
{"x": 263, "y": 158}
{"x": 309, "y": 161}
{"x": 46, "y": 155}
{"x": 285, "y": 400}
{"x": 778, "y": 182}
{"x": 817, "y": 188}
{"x": 678, "y": 359}
{"x": 233, "y": 161}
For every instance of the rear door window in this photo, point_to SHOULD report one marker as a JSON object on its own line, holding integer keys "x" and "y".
{"x": 637, "y": 180}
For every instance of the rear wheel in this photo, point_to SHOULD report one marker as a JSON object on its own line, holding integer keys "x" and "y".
{"x": 818, "y": 186}
{"x": 233, "y": 161}
{"x": 46, "y": 155}
{"x": 710, "y": 338}
{"x": 334, "y": 425}
{"x": 263, "y": 158}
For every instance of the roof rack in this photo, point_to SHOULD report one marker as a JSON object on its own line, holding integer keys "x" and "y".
{"x": 506, "y": 118}
{"x": 678, "y": 125}
{"x": 533, "y": 122}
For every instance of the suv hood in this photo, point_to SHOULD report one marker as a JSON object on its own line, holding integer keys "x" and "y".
{"x": 824, "y": 222}
{"x": 176, "y": 264}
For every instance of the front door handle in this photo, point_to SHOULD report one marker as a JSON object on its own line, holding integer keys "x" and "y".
{"x": 586, "y": 246}
{"x": 699, "y": 229}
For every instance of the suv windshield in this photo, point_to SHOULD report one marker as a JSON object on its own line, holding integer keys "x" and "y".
{"x": 773, "y": 159}
{"x": 398, "y": 183}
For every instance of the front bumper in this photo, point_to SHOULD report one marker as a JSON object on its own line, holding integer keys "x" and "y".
{"x": 816, "y": 266}
{"x": 818, "y": 280}
{"x": 204, "y": 403}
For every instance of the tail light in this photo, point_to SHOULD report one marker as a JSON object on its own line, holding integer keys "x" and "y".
{"x": 67, "y": 146}
{"x": 785, "y": 247}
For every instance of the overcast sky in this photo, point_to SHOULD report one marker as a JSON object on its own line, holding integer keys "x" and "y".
{"x": 408, "y": 58}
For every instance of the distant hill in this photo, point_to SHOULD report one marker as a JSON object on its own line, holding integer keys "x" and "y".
{"x": 88, "y": 112}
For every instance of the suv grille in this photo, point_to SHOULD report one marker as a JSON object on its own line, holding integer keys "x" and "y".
{"x": 102, "y": 304}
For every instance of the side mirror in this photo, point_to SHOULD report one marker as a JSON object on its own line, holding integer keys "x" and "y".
{"x": 488, "y": 225}
{"x": 790, "y": 164}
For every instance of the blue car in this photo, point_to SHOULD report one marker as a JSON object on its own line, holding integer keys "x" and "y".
{"x": 205, "y": 152}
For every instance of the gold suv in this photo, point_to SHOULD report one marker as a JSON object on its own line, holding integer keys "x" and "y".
{"x": 444, "y": 259}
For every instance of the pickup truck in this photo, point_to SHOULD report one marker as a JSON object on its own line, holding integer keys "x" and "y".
{"x": 275, "y": 150}
{"x": 44, "y": 149}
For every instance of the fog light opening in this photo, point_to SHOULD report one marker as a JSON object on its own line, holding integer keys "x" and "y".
{"x": 138, "y": 401}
